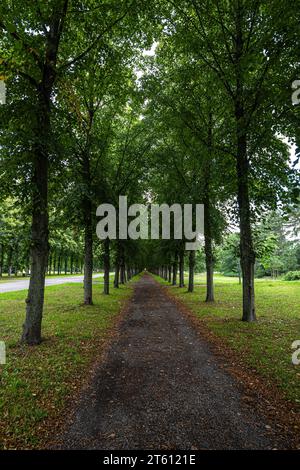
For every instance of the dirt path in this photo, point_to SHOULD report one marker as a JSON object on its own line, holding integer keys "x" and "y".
{"x": 161, "y": 387}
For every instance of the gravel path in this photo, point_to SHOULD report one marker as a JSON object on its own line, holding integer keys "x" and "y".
{"x": 160, "y": 387}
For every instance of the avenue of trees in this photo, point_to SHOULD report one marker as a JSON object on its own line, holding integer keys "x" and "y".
{"x": 206, "y": 118}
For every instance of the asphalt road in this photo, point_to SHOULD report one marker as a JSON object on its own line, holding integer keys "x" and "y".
{"x": 24, "y": 284}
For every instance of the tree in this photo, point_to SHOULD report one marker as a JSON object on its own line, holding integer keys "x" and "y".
{"x": 37, "y": 52}
{"x": 246, "y": 53}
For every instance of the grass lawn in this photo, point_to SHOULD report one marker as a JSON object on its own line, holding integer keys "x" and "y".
{"x": 264, "y": 345}
{"x": 36, "y": 382}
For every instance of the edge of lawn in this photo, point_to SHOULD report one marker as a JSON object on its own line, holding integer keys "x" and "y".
{"x": 40, "y": 431}
{"x": 257, "y": 391}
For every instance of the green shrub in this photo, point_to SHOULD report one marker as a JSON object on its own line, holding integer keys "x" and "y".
{"x": 292, "y": 276}
{"x": 230, "y": 274}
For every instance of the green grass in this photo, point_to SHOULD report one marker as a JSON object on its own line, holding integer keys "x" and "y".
{"x": 264, "y": 345}
{"x": 36, "y": 382}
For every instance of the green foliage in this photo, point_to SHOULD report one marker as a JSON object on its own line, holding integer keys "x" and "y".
{"x": 292, "y": 276}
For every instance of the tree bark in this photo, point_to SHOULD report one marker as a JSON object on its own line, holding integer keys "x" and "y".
{"x": 239, "y": 272}
{"x": 1, "y": 259}
{"x": 106, "y": 266}
{"x": 191, "y": 271}
{"x": 39, "y": 227}
{"x": 59, "y": 264}
{"x": 54, "y": 262}
{"x": 117, "y": 266}
{"x": 242, "y": 169}
{"x": 117, "y": 275}
{"x": 39, "y": 230}
{"x": 169, "y": 273}
{"x": 209, "y": 258}
{"x": 50, "y": 263}
{"x": 174, "y": 277}
{"x": 181, "y": 268}
{"x": 88, "y": 253}
{"x": 246, "y": 242}
{"x": 208, "y": 237}
{"x": 9, "y": 262}
{"x": 122, "y": 266}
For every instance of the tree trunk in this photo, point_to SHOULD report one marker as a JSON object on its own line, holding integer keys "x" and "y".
{"x": 209, "y": 259}
{"x": 88, "y": 253}
{"x": 16, "y": 260}
{"x": 106, "y": 266}
{"x": 50, "y": 263}
{"x": 208, "y": 239}
{"x": 117, "y": 275}
{"x": 39, "y": 227}
{"x": 59, "y": 264}
{"x": 1, "y": 259}
{"x": 39, "y": 231}
{"x": 239, "y": 272}
{"x": 242, "y": 168}
{"x": 174, "y": 279}
{"x": 181, "y": 268}
{"x": 9, "y": 261}
{"x": 54, "y": 263}
{"x": 169, "y": 273}
{"x": 191, "y": 271}
{"x": 122, "y": 266}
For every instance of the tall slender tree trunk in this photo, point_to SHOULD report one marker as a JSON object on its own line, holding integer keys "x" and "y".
{"x": 122, "y": 266}
{"x": 239, "y": 272}
{"x": 1, "y": 259}
{"x": 88, "y": 253}
{"x": 117, "y": 275}
{"x": 9, "y": 261}
{"x": 181, "y": 268}
{"x": 175, "y": 267}
{"x": 59, "y": 264}
{"x": 39, "y": 229}
{"x": 246, "y": 242}
{"x": 106, "y": 265}
{"x": 209, "y": 258}
{"x": 39, "y": 226}
{"x": 54, "y": 262}
{"x": 50, "y": 263}
{"x": 208, "y": 239}
{"x": 242, "y": 169}
{"x": 169, "y": 273}
{"x": 16, "y": 260}
{"x": 191, "y": 271}
{"x": 117, "y": 266}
